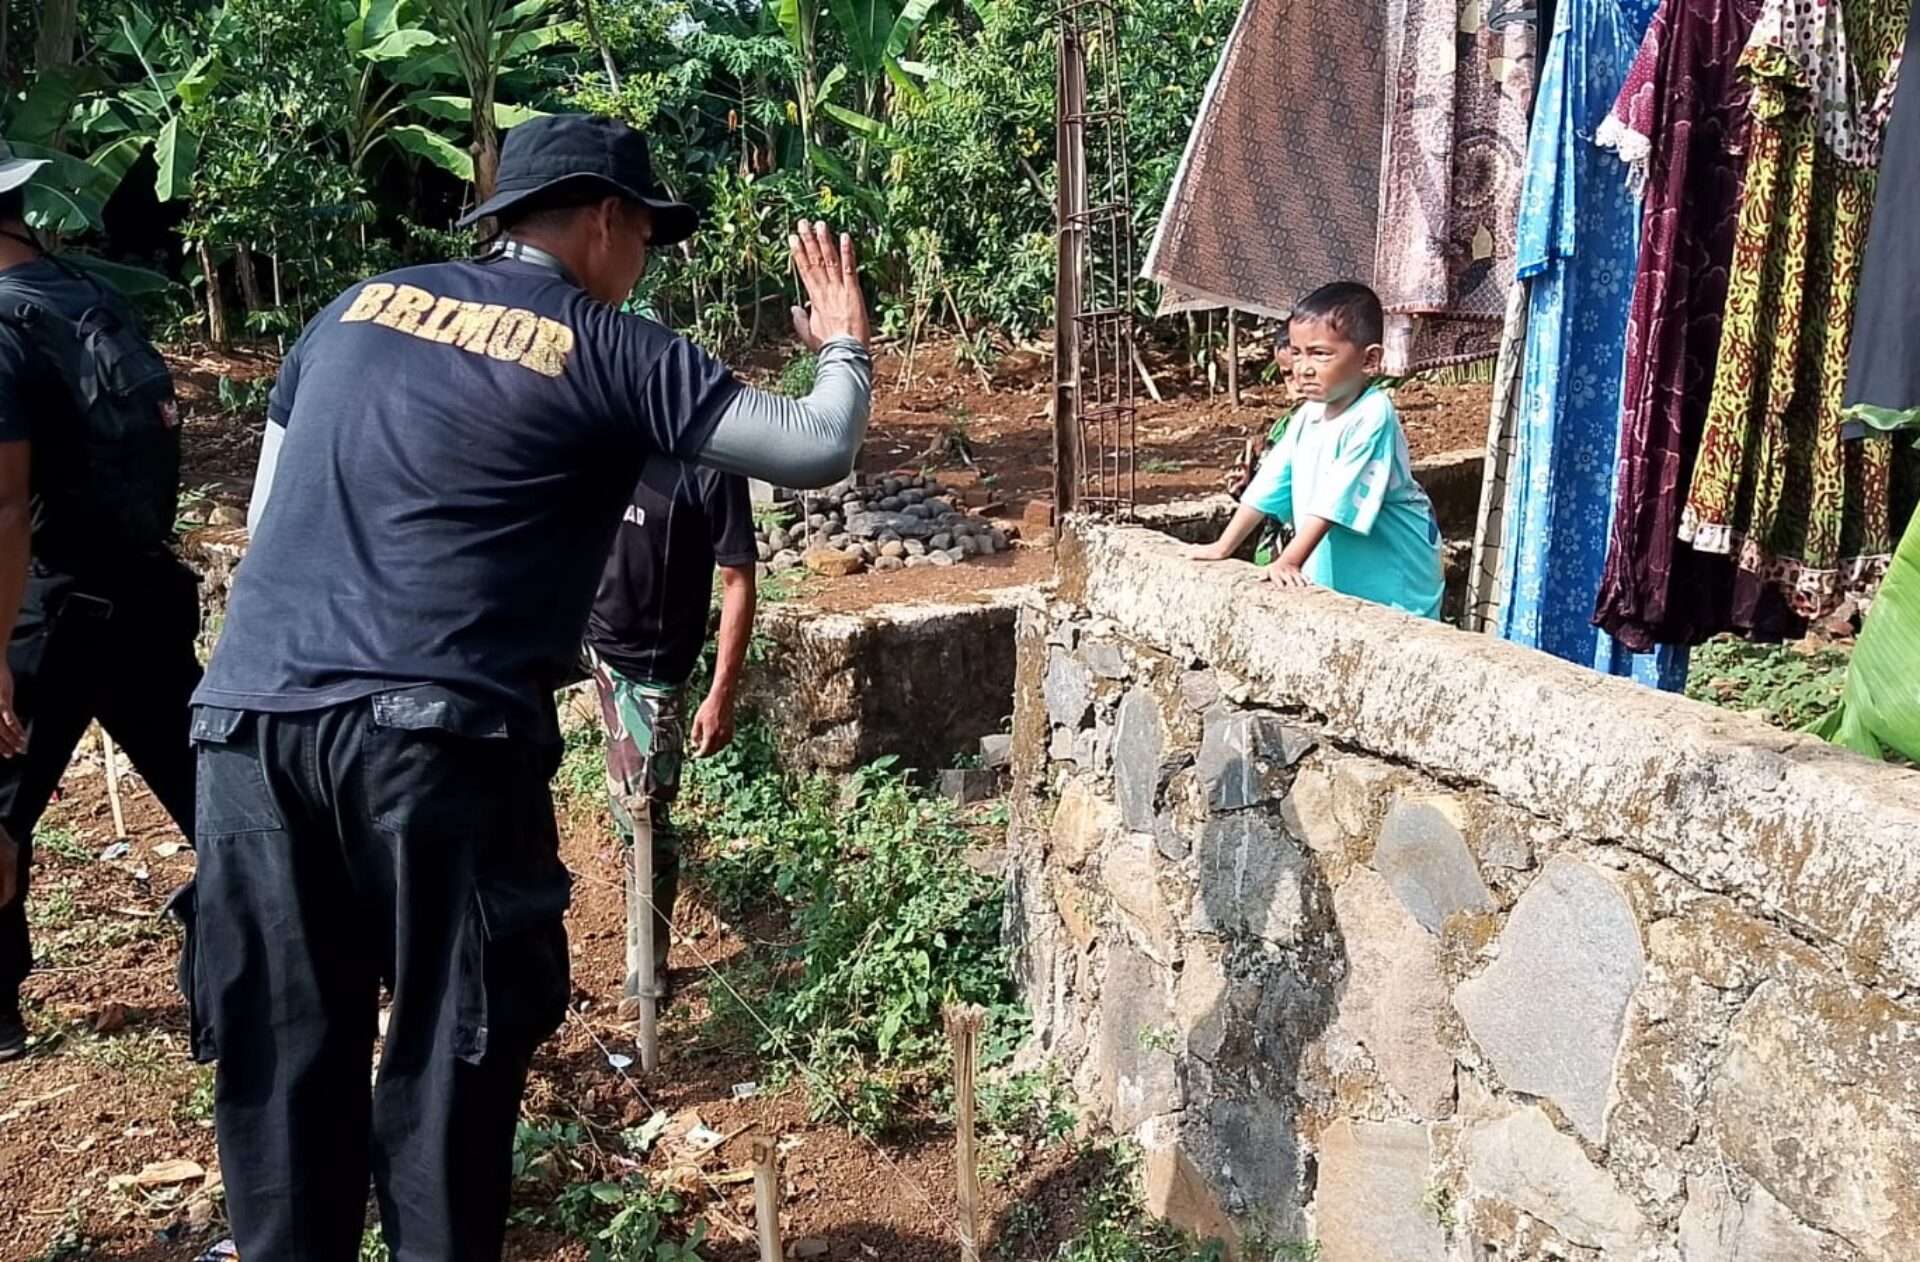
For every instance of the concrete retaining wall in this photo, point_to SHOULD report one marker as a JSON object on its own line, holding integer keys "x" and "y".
{"x": 922, "y": 682}
{"x": 1427, "y": 948}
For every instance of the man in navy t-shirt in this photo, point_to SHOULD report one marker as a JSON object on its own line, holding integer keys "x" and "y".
{"x": 644, "y": 636}
{"x": 449, "y": 451}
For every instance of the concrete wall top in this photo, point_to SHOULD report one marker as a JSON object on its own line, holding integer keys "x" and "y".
{"x": 1824, "y": 840}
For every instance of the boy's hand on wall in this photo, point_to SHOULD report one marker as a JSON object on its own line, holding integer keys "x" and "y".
{"x": 1284, "y": 575}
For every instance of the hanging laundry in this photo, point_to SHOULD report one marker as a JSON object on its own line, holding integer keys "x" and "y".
{"x": 1776, "y": 486}
{"x": 1273, "y": 197}
{"x": 1459, "y": 87}
{"x": 1883, "y": 371}
{"x": 1678, "y": 125}
{"x": 1578, "y": 236}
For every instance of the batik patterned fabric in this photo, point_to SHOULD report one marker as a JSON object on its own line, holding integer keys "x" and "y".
{"x": 1578, "y": 236}
{"x": 1678, "y": 124}
{"x": 1777, "y": 487}
{"x": 1459, "y": 87}
{"x": 1273, "y": 197}
{"x": 1883, "y": 376}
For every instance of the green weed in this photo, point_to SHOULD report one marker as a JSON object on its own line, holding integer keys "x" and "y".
{"x": 582, "y": 778}
{"x": 244, "y": 398}
{"x": 373, "y": 1247}
{"x": 889, "y": 921}
{"x": 1780, "y": 683}
{"x": 142, "y": 1056}
{"x": 1159, "y": 464}
{"x": 798, "y": 375}
{"x": 69, "y": 1242}
{"x": 1157, "y": 1038}
{"x": 619, "y": 1221}
{"x": 58, "y": 840}
{"x": 196, "y": 1108}
{"x": 1114, "y": 1224}
{"x": 52, "y": 910}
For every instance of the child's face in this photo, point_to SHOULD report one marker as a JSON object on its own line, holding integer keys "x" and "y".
{"x": 1283, "y": 358}
{"x": 1327, "y": 366}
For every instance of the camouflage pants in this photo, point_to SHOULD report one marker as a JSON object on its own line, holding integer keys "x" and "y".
{"x": 646, "y": 740}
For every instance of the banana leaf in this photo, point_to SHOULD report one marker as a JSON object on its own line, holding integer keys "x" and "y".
{"x": 1879, "y": 713}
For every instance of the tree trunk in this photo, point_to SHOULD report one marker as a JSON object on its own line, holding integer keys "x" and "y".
{"x": 249, "y": 279}
{"x": 486, "y": 146}
{"x": 55, "y": 45}
{"x": 606, "y": 54}
{"x": 216, "y": 305}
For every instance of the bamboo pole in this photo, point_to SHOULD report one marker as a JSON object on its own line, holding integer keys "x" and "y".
{"x": 1233, "y": 356}
{"x": 766, "y": 1197}
{"x": 642, "y": 951}
{"x": 963, "y": 1027}
{"x": 111, "y": 765}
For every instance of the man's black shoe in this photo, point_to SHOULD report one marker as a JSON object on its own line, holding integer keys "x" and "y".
{"x": 13, "y": 1037}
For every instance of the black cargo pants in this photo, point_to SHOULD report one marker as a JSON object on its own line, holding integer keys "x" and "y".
{"x": 398, "y": 842}
{"x": 117, "y": 647}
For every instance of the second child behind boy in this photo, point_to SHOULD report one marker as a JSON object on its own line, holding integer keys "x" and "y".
{"x": 1340, "y": 474}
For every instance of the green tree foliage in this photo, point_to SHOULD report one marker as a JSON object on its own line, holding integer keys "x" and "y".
{"x": 298, "y": 144}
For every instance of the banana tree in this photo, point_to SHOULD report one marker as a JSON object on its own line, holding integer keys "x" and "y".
{"x": 154, "y": 113}
{"x": 878, "y": 38}
{"x": 483, "y": 38}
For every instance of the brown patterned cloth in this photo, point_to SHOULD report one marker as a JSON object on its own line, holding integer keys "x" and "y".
{"x": 1775, "y": 486}
{"x": 1460, "y": 78}
{"x": 1274, "y": 196}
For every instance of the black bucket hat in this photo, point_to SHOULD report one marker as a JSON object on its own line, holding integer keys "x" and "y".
{"x": 544, "y": 153}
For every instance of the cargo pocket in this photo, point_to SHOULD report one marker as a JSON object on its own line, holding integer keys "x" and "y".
{"x": 230, "y": 786}
{"x": 183, "y": 906}
{"x": 515, "y": 976}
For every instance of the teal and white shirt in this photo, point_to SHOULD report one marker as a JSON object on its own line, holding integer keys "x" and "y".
{"x": 1354, "y": 471}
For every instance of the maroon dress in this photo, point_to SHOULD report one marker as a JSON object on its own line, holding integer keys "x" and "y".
{"x": 1679, "y": 125}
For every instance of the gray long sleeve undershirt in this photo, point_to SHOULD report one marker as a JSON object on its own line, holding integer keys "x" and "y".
{"x": 806, "y": 443}
{"x": 810, "y": 442}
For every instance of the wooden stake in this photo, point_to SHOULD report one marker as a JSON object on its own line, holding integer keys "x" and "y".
{"x": 1233, "y": 356}
{"x": 642, "y": 951}
{"x": 963, "y": 1027}
{"x": 1140, "y": 366}
{"x": 766, "y": 1197}
{"x": 112, "y": 766}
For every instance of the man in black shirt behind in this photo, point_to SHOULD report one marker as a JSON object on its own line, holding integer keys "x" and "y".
{"x": 98, "y": 615}
{"x": 644, "y": 636}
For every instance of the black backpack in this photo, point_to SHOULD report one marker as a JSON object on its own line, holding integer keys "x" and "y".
{"x": 126, "y": 488}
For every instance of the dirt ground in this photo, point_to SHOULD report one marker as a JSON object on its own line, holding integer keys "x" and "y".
{"x": 107, "y": 1101}
{"x": 106, "y": 1133}
{"x": 993, "y": 444}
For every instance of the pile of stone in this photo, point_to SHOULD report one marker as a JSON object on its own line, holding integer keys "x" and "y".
{"x": 889, "y": 523}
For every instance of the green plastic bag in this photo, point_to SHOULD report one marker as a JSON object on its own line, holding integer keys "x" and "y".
{"x": 1879, "y": 713}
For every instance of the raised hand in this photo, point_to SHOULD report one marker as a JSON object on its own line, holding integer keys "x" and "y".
{"x": 837, "y": 307}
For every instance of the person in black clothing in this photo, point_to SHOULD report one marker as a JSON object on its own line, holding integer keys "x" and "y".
{"x": 100, "y": 616}
{"x": 644, "y": 636}
{"x": 448, "y": 452}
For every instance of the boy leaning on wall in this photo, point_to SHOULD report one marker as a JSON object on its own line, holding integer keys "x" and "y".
{"x": 1340, "y": 475}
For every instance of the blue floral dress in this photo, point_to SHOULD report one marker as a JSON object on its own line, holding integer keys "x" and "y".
{"x": 1578, "y": 240}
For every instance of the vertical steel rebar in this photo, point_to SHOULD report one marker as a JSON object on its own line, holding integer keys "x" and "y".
{"x": 1095, "y": 413}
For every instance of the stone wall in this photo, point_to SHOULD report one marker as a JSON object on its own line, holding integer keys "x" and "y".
{"x": 1427, "y": 948}
{"x": 922, "y": 682}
